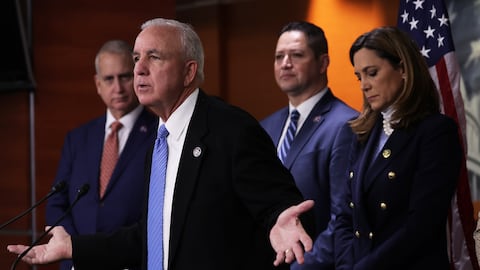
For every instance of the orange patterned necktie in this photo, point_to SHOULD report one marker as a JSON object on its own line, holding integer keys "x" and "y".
{"x": 109, "y": 156}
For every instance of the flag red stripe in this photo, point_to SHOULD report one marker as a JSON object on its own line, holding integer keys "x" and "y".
{"x": 464, "y": 205}
{"x": 446, "y": 90}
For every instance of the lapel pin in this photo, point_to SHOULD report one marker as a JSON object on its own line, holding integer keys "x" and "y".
{"x": 143, "y": 129}
{"x": 197, "y": 151}
{"x": 317, "y": 118}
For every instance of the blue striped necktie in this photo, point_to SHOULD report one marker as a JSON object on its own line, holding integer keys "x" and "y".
{"x": 288, "y": 139}
{"x": 155, "y": 200}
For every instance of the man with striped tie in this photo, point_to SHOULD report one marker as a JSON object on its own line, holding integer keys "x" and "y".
{"x": 307, "y": 132}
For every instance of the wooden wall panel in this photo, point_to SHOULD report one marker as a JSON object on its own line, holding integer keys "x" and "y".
{"x": 246, "y": 36}
{"x": 243, "y": 49}
{"x": 14, "y": 172}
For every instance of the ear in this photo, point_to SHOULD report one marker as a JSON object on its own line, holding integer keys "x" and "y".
{"x": 97, "y": 82}
{"x": 401, "y": 67}
{"x": 324, "y": 62}
{"x": 190, "y": 72}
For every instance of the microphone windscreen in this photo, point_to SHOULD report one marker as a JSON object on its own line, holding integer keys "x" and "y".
{"x": 83, "y": 190}
{"x": 59, "y": 186}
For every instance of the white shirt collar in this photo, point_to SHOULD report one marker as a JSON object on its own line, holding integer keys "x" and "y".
{"x": 307, "y": 106}
{"x": 128, "y": 120}
{"x": 178, "y": 121}
{"x": 387, "y": 120}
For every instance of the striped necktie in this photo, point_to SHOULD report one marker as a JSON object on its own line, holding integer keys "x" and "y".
{"x": 109, "y": 157}
{"x": 288, "y": 139}
{"x": 155, "y": 200}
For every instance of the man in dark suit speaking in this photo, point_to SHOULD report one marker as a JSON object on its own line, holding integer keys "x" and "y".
{"x": 223, "y": 192}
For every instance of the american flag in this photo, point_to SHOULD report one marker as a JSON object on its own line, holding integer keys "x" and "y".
{"x": 428, "y": 24}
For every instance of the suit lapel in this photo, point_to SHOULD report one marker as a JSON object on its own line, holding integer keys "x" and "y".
{"x": 96, "y": 136}
{"x": 397, "y": 141}
{"x": 312, "y": 123}
{"x": 140, "y": 132}
{"x": 192, "y": 155}
{"x": 276, "y": 133}
{"x": 364, "y": 157}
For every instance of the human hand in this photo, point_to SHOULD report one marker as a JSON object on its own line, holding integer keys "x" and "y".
{"x": 288, "y": 237}
{"x": 58, "y": 247}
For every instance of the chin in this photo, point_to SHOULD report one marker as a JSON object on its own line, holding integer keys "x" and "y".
{"x": 144, "y": 101}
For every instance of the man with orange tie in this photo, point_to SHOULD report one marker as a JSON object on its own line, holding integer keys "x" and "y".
{"x": 108, "y": 153}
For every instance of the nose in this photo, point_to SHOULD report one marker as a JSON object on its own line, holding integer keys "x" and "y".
{"x": 116, "y": 84}
{"x": 140, "y": 67}
{"x": 364, "y": 85}
{"x": 286, "y": 61}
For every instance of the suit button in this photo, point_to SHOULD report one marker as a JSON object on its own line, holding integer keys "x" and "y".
{"x": 351, "y": 174}
{"x": 383, "y": 206}
{"x": 357, "y": 234}
{"x": 386, "y": 153}
{"x": 351, "y": 205}
{"x": 370, "y": 235}
{"x": 391, "y": 175}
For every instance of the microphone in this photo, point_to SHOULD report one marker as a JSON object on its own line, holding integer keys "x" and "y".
{"x": 55, "y": 189}
{"x": 80, "y": 193}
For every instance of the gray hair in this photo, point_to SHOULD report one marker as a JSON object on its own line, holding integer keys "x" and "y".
{"x": 113, "y": 46}
{"x": 189, "y": 39}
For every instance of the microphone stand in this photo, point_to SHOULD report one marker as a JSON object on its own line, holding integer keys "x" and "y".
{"x": 82, "y": 191}
{"x": 57, "y": 188}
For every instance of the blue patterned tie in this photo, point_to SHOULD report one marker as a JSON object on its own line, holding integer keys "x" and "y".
{"x": 155, "y": 200}
{"x": 288, "y": 139}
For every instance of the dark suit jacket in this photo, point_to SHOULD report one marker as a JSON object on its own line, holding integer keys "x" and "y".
{"x": 222, "y": 199}
{"x": 396, "y": 203}
{"x": 317, "y": 161}
{"x": 80, "y": 164}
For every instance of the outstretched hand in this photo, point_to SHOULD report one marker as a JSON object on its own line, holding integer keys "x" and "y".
{"x": 58, "y": 247}
{"x": 288, "y": 237}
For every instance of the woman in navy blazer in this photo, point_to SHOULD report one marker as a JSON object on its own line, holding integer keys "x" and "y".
{"x": 404, "y": 163}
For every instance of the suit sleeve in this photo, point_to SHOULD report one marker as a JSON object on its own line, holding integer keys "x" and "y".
{"x": 342, "y": 224}
{"x": 343, "y": 231}
{"x": 262, "y": 182}
{"x": 119, "y": 250}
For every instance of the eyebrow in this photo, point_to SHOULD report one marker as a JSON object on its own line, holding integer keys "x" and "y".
{"x": 124, "y": 74}
{"x": 367, "y": 68}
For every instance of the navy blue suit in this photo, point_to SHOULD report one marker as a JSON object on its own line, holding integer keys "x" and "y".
{"x": 395, "y": 209}
{"x": 316, "y": 159}
{"x": 80, "y": 163}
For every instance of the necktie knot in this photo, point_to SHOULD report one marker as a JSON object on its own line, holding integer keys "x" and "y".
{"x": 162, "y": 132}
{"x": 289, "y": 135}
{"x": 116, "y": 126}
{"x": 294, "y": 115}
